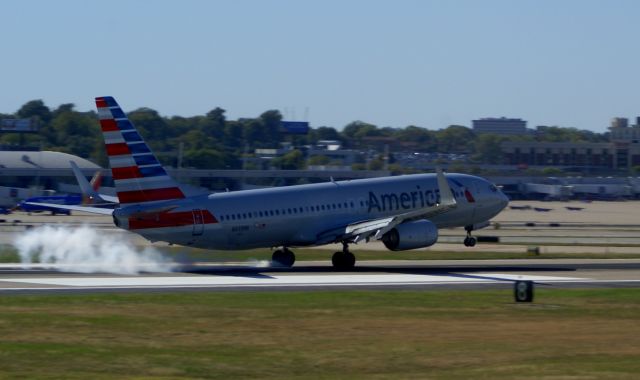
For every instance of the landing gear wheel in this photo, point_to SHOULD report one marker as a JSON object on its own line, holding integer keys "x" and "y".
{"x": 470, "y": 241}
{"x": 283, "y": 258}
{"x": 343, "y": 260}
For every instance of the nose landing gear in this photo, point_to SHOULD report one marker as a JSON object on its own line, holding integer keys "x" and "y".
{"x": 469, "y": 241}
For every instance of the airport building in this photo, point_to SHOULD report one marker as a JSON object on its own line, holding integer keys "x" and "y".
{"x": 41, "y": 168}
{"x": 622, "y": 152}
{"x": 500, "y": 126}
{"x": 26, "y": 174}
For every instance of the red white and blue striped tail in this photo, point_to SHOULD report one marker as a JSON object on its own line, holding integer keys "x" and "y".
{"x": 137, "y": 173}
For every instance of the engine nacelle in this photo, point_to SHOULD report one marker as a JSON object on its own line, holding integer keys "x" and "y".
{"x": 418, "y": 234}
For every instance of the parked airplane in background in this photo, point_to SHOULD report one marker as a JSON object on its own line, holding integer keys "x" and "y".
{"x": 89, "y": 196}
{"x": 404, "y": 212}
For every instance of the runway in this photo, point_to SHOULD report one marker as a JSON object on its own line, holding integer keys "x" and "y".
{"x": 419, "y": 274}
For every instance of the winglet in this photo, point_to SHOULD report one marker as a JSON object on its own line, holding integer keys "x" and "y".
{"x": 446, "y": 196}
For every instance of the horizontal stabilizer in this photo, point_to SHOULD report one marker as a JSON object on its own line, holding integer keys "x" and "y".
{"x": 93, "y": 210}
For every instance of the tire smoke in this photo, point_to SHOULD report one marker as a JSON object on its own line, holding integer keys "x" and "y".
{"x": 86, "y": 250}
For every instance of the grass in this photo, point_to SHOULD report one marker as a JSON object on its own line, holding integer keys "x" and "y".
{"x": 306, "y": 335}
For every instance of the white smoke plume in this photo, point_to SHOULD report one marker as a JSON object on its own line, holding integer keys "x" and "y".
{"x": 84, "y": 249}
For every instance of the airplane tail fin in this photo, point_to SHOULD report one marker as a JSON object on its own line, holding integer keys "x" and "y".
{"x": 89, "y": 193}
{"x": 96, "y": 181}
{"x": 138, "y": 175}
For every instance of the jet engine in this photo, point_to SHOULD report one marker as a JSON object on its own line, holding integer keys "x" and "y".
{"x": 418, "y": 234}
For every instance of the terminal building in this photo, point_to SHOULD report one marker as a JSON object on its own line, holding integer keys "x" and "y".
{"x": 43, "y": 169}
{"x": 500, "y": 126}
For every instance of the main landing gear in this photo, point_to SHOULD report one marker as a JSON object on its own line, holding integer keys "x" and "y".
{"x": 343, "y": 260}
{"x": 283, "y": 258}
{"x": 469, "y": 241}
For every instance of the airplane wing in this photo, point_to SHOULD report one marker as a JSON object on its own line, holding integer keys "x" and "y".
{"x": 93, "y": 210}
{"x": 378, "y": 227}
{"x": 87, "y": 189}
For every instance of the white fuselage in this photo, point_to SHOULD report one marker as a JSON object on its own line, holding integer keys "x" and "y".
{"x": 300, "y": 215}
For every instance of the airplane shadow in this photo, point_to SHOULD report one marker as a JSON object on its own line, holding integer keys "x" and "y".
{"x": 460, "y": 271}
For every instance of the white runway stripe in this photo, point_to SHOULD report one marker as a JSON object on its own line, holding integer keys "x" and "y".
{"x": 285, "y": 280}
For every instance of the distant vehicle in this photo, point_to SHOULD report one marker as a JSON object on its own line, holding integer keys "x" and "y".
{"x": 541, "y": 209}
{"x": 520, "y": 207}
{"x": 572, "y": 208}
{"x": 404, "y": 212}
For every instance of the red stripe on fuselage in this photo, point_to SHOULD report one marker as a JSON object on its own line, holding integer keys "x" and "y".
{"x": 126, "y": 172}
{"x": 169, "y": 219}
{"x": 117, "y": 149}
{"x": 150, "y": 195}
{"x": 108, "y": 125}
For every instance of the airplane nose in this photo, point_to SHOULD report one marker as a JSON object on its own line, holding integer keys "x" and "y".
{"x": 504, "y": 200}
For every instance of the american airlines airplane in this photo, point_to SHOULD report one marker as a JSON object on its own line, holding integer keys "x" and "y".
{"x": 404, "y": 212}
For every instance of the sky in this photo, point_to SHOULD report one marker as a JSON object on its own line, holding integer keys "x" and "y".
{"x": 571, "y": 63}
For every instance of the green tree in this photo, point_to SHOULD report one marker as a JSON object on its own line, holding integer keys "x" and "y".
{"x": 293, "y": 160}
{"x": 425, "y": 139}
{"x": 154, "y": 128}
{"x": 376, "y": 164}
{"x": 35, "y": 109}
{"x": 73, "y": 132}
{"x": 318, "y": 160}
{"x": 204, "y": 159}
{"x": 488, "y": 148}
{"x": 214, "y": 122}
{"x": 324, "y": 133}
{"x": 359, "y": 129}
{"x": 455, "y": 139}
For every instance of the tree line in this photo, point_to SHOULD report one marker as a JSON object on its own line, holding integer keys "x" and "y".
{"x": 211, "y": 141}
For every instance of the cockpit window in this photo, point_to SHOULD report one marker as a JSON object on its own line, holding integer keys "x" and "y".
{"x": 493, "y": 188}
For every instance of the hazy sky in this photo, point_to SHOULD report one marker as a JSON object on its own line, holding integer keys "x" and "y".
{"x": 390, "y": 63}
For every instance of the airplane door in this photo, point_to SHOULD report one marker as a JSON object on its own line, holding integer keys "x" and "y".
{"x": 475, "y": 195}
{"x": 198, "y": 223}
